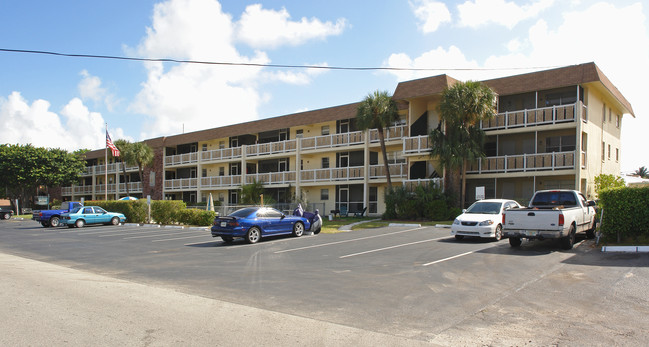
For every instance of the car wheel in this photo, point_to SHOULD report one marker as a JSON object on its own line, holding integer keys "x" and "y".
{"x": 5, "y": 216}
{"x": 253, "y": 235}
{"x": 55, "y": 222}
{"x": 569, "y": 240}
{"x": 298, "y": 229}
{"x": 590, "y": 233}
{"x": 498, "y": 234}
{"x": 114, "y": 221}
{"x": 79, "y": 223}
{"x": 45, "y": 224}
{"x": 515, "y": 241}
{"x": 318, "y": 226}
{"x": 459, "y": 237}
{"x": 227, "y": 239}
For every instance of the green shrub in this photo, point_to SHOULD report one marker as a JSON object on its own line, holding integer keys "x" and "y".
{"x": 166, "y": 211}
{"x": 425, "y": 202}
{"x": 625, "y": 213}
{"x": 134, "y": 210}
{"x": 192, "y": 216}
{"x": 436, "y": 210}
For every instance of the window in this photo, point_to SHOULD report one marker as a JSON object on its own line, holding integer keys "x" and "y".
{"x": 325, "y": 163}
{"x": 204, "y": 147}
{"x": 609, "y": 152}
{"x": 609, "y": 114}
{"x": 221, "y": 144}
{"x": 204, "y": 173}
{"x": 603, "y": 113}
{"x": 299, "y": 133}
{"x": 324, "y": 194}
{"x": 617, "y": 121}
{"x": 221, "y": 171}
{"x": 325, "y": 130}
{"x": 603, "y": 150}
{"x": 617, "y": 154}
{"x": 560, "y": 144}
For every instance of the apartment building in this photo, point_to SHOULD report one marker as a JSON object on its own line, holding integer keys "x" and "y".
{"x": 554, "y": 129}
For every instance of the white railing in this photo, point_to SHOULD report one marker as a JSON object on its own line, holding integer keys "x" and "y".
{"x": 221, "y": 154}
{"x": 533, "y": 117}
{"x": 333, "y": 140}
{"x": 333, "y": 174}
{"x": 284, "y": 177}
{"x": 101, "y": 188}
{"x": 416, "y": 145}
{"x": 279, "y": 147}
{"x": 181, "y": 184}
{"x": 524, "y": 162}
{"x": 396, "y": 171}
{"x": 180, "y": 159}
{"x": 389, "y": 134}
{"x": 133, "y": 187}
{"x": 112, "y": 168}
{"x": 412, "y": 184}
{"x": 220, "y": 181}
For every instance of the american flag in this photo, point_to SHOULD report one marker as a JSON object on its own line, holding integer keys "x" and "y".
{"x": 111, "y": 145}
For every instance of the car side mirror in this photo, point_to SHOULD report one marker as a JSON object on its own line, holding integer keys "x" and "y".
{"x": 463, "y": 210}
{"x": 283, "y": 216}
{"x": 592, "y": 203}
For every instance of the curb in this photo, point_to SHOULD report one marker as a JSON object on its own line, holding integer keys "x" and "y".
{"x": 446, "y": 226}
{"x": 404, "y": 225}
{"x": 626, "y": 249}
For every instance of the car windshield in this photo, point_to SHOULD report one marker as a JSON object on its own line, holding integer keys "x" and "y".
{"x": 244, "y": 212}
{"x": 484, "y": 207}
{"x": 75, "y": 210}
{"x": 554, "y": 198}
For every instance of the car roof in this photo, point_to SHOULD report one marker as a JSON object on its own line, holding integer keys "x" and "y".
{"x": 496, "y": 200}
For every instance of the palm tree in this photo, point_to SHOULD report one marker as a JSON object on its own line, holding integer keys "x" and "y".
{"x": 462, "y": 108}
{"x": 140, "y": 154}
{"x": 251, "y": 193}
{"x": 642, "y": 172}
{"x": 377, "y": 111}
{"x": 125, "y": 154}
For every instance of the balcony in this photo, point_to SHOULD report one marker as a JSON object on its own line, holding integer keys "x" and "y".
{"x": 220, "y": 181}
{"x": 221, "y": 154}
{"x": 411, "y": 185}
{"x": 101, "y": 169}
{"x": 534, "y": 117}
{"x": 390, "y": 134}
{"x": 333, "y": 174}
{"x": 280, "y": 147}
{"x": 270, "y": 178}
{"x": 332, "y": 141}
{"x": 523, "y": 163}
{"x": 399, "y": 170}
{"x": 419, "y": 145}
{"x": 181, "y": 159}
{"x": 181, "y": 184}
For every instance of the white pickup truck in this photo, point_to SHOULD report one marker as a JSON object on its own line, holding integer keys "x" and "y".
{"x": 552, "y": 214}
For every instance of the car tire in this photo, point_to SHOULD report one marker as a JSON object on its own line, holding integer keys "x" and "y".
{"x": 5, "y": 216}
{"x": 79, "y": 223}
{"x": 55, "y": 222}
{"x": 498, "y": 234}
{"x": 318, "y": 226}
{"x": 515, "y": 241}
{"x": 114, "y": 221}
{"x": 45, "y": 224}
{"x": 253, "y": 235}
{"x": 459, "y": 237}
{"x": 227, "y": 239}
{"x": 298, "y": 229}
{"x": 590, "y": 233}
{"x": 569, "y": 240}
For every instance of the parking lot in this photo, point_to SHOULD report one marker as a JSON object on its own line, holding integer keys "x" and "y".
{"x": 409, "y": 281}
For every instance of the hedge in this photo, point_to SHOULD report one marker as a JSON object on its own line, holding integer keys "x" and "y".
{"x": 425, "y": 202}
{"x": 162, "y": 211}
{"x": 626, "y": 213}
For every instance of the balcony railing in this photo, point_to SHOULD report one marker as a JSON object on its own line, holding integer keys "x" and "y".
{"x": 411, "y": 185}
{"x": 101, "y": 169}
{"x": 221, "y": 154}
{"x": 333, "y": 140}
{"x": 416, "y": 145}
{"x": 284, "y": 177}
{"x": 524, "y": 162}
{"x": 181, "y": 184}
{"x": 399, "y": 170}
{"x": 181, "y": 159}
{"x": 390, "y": 134}
{"x": 220, "y": 181}
{"x": 279, "y": 147}
{"x": 333, "y": 174}
{"x": 524, "y": 118}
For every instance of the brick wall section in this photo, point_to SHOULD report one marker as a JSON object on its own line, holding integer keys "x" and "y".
{"x": 155, "y": 191}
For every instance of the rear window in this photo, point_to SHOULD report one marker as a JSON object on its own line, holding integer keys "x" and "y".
{"x": 554, "y": 199}
{"x": 244, "y": 212}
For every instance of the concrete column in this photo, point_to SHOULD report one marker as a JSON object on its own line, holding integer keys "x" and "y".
{"x": 298, "y": 168}
{"x": 366, "y": 170}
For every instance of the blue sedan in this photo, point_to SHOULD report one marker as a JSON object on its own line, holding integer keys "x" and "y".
{"x": 253, "y": 223}
{"x": 81, "y": 216}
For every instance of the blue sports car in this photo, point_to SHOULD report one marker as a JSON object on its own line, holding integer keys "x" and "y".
{"x": 253, "y": 223}
{"x": 83, "y": 215}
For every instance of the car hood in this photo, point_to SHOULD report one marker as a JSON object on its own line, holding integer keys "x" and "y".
{"x": 478, "y": 217}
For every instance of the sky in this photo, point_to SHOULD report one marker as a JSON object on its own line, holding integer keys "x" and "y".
{"x": 65, "y": 102}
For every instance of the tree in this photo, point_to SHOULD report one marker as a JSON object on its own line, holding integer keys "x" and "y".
{"x": 378, "y": 111}
{"x": 462, "y": 108}
{"x": 125, "y": 155}
{"x": 140, "y": 154}
{"x": 642, "y": 172}
{"x": 24, "y": 168}
{"x": 605, "y": 181}
{"x": 251, "y": 193}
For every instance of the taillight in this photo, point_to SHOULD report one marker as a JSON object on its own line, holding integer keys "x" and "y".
{"x": 503, "y": 219}
{"x": 561, "y": 219}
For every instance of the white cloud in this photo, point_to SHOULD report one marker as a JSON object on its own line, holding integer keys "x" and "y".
{"x": 261, "y": 28}
{"x": 76, "y": 127}
{"x": 431, "y": 14}
{"x": 90, "y": 88}
{"x": 478, "y": 13}
{"x": 439, "y": 58}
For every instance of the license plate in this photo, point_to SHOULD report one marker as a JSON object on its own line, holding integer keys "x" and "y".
{"x": 223, "y": 224}
{"x": 530, "y": 232}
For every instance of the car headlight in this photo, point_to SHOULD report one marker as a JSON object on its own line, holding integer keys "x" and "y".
{"x": 485, "y": 223}
{"x": 456, "y": 222}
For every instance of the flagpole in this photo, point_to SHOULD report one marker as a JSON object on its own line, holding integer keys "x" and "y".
{"x": 106, "y": 169}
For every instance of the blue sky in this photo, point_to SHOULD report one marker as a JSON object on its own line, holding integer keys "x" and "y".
{"x": 64, "y": 102}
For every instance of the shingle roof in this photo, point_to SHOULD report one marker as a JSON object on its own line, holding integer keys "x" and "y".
{"x": 423, "y": 87}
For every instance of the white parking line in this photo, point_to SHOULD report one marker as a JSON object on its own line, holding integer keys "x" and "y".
{"x": 346, "y": 241}
{"x": 391, "y": 247}
{"x": 180, "y": 238}
{"x": 453, "y": 257}
{"x": 145, "y": 236}
{"x": 135, "y": 233}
